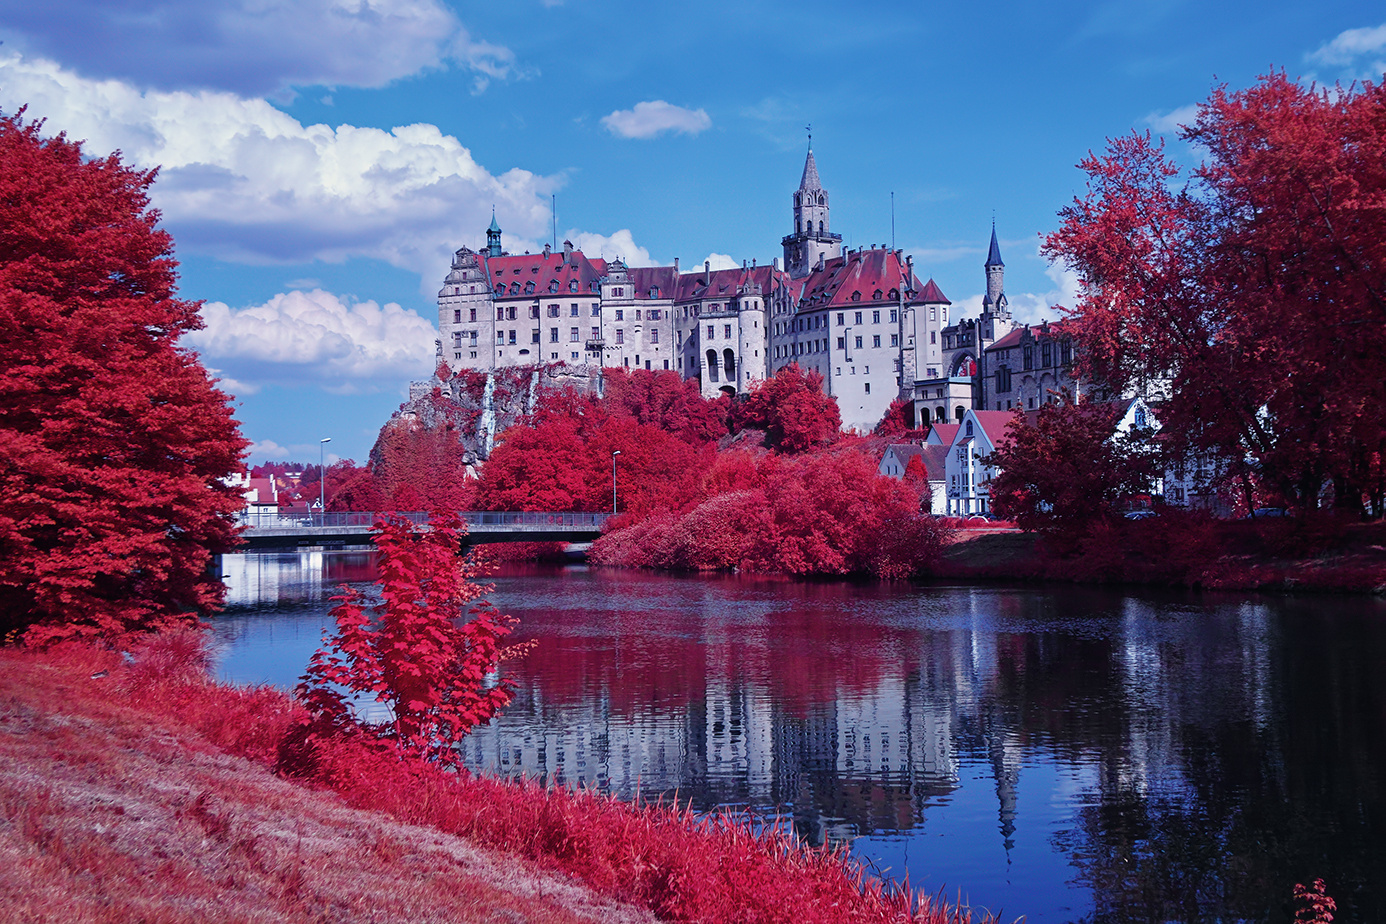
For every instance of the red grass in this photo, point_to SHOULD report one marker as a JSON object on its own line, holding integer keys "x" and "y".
{"x": 658, "y": 857}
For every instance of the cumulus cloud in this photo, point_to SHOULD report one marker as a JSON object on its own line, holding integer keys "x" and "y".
{"x": 314, "y": 337}
{"x": 267, "y": 449}
{"x": 621, "y": 244}
{"x": 1167, "y": 123}
{"x": 1353, "y": 48}
{"x": 253, "y": 47}
{"x": 243, "y": 181}
{"x": 655, "y": 117}
{"x": 719, "y": 261}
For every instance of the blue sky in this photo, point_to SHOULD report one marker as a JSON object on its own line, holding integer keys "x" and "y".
{"x": 321, "y": 159}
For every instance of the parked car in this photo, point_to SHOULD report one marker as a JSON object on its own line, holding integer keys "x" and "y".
{"x": 1139, "y": 514}
{"x": 1260, "y": 512}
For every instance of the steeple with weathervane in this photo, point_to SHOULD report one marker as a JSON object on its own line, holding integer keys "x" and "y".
{"x": 493, "y": 237}
{"x": 812, "y": 238}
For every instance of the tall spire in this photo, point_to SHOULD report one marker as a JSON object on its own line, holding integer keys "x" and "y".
{"x": 493, "y": 237}
{"x": 810, "y": 178}
{"x": 994, "y": 256}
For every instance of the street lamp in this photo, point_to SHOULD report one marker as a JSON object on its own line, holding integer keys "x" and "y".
{"x": 322, "y": 481}
{"x": 614, "y": 454}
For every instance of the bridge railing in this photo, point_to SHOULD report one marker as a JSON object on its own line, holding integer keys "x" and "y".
{"x": 518, "y": 521}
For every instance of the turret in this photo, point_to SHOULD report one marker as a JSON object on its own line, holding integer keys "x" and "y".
{"x": 493, "y": 237}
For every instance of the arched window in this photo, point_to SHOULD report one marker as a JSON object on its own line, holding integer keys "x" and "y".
{"x": 939, "y": 415}
{"x": 820, "y": 227}
{"x": 729, "y": 364}
{"x": 712, "y": 365}
{"x": 969, "y": 428}
{"x": 958, "y": 413}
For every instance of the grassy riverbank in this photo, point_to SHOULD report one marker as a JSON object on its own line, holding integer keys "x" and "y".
{"x": 142, "y": 791}
{"x": 1211, "y": 555}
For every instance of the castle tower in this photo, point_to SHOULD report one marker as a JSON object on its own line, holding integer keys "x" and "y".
{"x": 995, "y": 302}
{"x": 812, "y": 237}
{"x": 493, "y": 237}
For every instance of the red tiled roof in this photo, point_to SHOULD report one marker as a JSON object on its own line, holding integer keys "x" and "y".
{"x": 931, "y": 294}
{"x": 994, "y": 424}
{"x": 727, "y": 283}
{"x": 645, "y": 279}
{"x": 945, "y": 432}
{"x": 544, "y": 271}
{"x": 868, "y": 274}
{"x": 1010, "y": 340}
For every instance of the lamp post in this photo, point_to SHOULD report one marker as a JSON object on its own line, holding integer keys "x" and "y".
{"x": 614, "y": 454}
{"x": 322, "y": 481}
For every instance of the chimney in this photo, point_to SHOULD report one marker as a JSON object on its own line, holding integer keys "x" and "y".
{"x": 676, "y": 266}
{"x": 753, "y": 263}
{"x": 567, "y": 251}
{"x": 546, "y": 251}
{"x": 743, "y": 265}
{"x": 707, "y": 272}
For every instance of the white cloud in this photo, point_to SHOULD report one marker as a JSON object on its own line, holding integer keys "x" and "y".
{"x": 1351, "y": 45}
{"x": 654, "y": 117}
{"x": 719, "y": 261}
{"x": 1167, "y": 123}
{"x": 316, "y": 337}
{"x": 243, "y": 181}
{"x": 252, "y": 47}
{"x": 621, "y": 244}
{"x": 267, "y": 449}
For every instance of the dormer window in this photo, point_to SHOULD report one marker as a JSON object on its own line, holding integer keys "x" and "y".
{"x": 894, "y": 295}
{"x": 856, "y": 296}
{"x": 553, "y": 285}
{"x": 573, "y": 286}
{"x": 876, "y": 296}
{"x": 529, "y": 287}
{"x": 500, "y": 289}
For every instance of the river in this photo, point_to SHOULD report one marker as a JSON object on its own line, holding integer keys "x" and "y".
{"x": 1067, "y": 754}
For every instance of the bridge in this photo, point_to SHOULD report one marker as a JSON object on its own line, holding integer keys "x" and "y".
{"x": 277, "y": 531}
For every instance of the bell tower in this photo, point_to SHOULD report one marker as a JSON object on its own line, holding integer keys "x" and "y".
{"x": 812, "y": 237}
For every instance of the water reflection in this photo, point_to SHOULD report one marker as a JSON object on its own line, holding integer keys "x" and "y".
{"x": 1069, "y": 754}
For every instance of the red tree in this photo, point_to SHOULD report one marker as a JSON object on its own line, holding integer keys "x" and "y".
{"x": 113, "y": 441}
{"x": 792, "y": 409}
{"x": 411, "y": 651}
{"x": 665, "y": 400}
{"x": 1252, "y": 300}
{"x": 1068, "y": 471}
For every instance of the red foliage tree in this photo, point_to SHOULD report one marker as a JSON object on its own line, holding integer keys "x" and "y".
{"x": 1069, "y": 470}
{"x": 665, "y": 400}
{"x": 792, "y": 409}
{"x": 113, "y": 441}
{"x": 412, "y": 651}
{"x": 1254, "y": 297}
{"x": 898, "y": 420}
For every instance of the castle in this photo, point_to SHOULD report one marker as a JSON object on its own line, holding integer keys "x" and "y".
{"x": 861, "y": 318}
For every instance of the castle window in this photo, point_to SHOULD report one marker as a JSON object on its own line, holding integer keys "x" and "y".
{"x": 711, "y": 332}
{"x": 1028, "y": 363}
{"x": 473, "y": 315}
{"x": 839, "y": 319}
{"x": 500, "y": 288}
{"x": 894, "y": 294}
{"x": 529, "y": 287}
{"x": 620, "y": 314}
{"x": 654, "y": 335}
{"x": 933, "y": 336}
{"x": 875, "y": 340}
{"x": 1047, "y": 353}
{"x": 895, "y": 340}
{"x": 596, "y": 310}
{"x": 553, "y": 335}
{"x": 573, "y": 286}
{"x": 618, "y": 292}
{"x": 534, "y": 312}
{"x": 534, "y": 335}
{"x": 856, "y": 297}
{"x": 875, "y": 317}
{"x": 553, "y": 285}
{"x": 868, "y": 388}
{"x": 876, "y": 296}
{"x": 820, "y": 227}
{"x": 512, "y": 336}
{"x": 620, "y": 335}
{"x": 857, "y": 320}
{"x": 1065, "y": 352}
{"x": 553, "y": 311}
{"x": 858, "y": 343}
{"x": 573, "y": 310}
{"x": 894, "y": 316}
{"x": 726, "y": 331}
{"x": 573, "y": 335}
{"x": 596, "y": 333}
{"x": 457, "y": 316}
